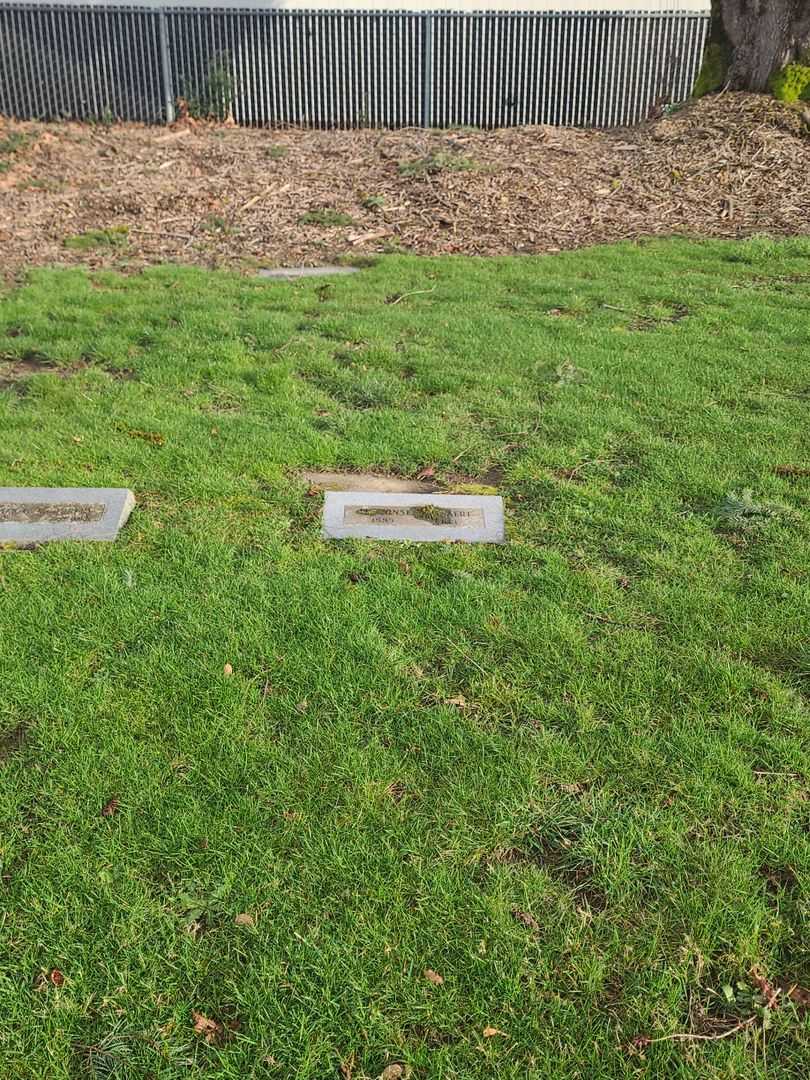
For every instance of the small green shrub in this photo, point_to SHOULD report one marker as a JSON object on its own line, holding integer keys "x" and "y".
{"x": 326, "y": 216}
{"x": 212, "y": 99}
{"x": 792, "y": 83}
{"x": 215, "y": 223}
{"x": 13, "y": 142}
{"x": 9, "y": 146}
{"x": 106, "y": 118}
{"x": 115, "y": 236}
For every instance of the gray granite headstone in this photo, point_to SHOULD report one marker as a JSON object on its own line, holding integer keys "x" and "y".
{"x": 287, "y": 273}
{"x": 471, "y": 519}
{"x": 37, "y": 515}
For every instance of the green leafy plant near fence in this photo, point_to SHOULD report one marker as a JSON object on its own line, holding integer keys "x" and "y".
{"x": 212, "y": 99}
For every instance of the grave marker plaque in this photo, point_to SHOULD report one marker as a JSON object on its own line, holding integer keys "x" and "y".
{"x": 470, "y": 519}
{"x": 36, "y": 515}
{"x": 290, "y": 273}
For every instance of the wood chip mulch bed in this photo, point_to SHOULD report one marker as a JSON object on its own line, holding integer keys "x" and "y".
{"x": 214, "y": 195}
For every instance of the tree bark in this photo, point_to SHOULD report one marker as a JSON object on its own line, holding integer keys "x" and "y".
{"x": 764, "y": 35}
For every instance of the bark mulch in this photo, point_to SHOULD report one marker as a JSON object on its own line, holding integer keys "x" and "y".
{"x": 212, "y": 195}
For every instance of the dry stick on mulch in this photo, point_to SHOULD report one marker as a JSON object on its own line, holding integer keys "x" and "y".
{"x": 729, "y": 165}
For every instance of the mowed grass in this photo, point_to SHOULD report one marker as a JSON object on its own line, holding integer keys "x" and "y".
{"x": 567, "y": 777}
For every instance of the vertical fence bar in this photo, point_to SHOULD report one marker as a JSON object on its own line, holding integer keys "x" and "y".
{"x": 427, "y": 69}
{"x": 165, "y": 65}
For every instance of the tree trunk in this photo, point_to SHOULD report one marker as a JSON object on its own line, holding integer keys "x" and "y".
{"x": 764, "y": 35}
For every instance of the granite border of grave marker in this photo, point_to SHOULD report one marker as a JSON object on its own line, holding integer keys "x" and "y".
{"x": 117, "y": 505}
{"x": 484, "y": 513}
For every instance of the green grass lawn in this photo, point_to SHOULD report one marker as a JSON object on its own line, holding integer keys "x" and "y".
{"x": 568, "y": 775}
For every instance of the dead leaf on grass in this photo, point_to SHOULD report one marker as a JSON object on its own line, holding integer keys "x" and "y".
{"x": 491, "y": 1032}
{"x": 228, "y": 669}
{"x": 427, "y": 473}
{"x": 800, "y": 998}
{"x": 433, "y": 976}
{"x": 110, "y": 808}
{"x": 526, "y": 918}
{"x": 396, "y": 790}
{"x": 459, "y": 700}
{"x": 214, "y": 1031}
{"x": 393, "y": 1072}
{"x": 244, "y": 919}
{"x": 211, "y": 1030}
{"x": 768, "y": 991}
{"x": 56, "y": 977}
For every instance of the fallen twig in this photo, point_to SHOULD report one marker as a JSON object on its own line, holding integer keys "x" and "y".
{"x": 683, "y": 1036}
{"x": 415, "y": 292}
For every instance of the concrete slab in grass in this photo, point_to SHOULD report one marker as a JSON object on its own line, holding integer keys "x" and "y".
{"x": 38, "y": 515}
{"x": 470, "y": 519}
{"x": 288, "y": 273}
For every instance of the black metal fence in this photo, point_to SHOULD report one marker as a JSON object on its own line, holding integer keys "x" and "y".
{"x": 345, "y": 68}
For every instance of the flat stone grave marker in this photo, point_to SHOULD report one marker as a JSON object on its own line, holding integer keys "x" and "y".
{"x": 288, "y": 273}
{"x": 37, "y": 515}
{"x": 471, "y": 519}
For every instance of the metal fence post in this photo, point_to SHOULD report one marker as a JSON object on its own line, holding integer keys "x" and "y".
{"x": 165, "y": 66}
{"x": 427, "y": 70}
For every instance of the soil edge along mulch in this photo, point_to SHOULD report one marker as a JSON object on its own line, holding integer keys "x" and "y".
{"x": 131, "y": 195}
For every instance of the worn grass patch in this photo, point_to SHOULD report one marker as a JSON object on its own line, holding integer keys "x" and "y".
{"x": 277, "y": 807}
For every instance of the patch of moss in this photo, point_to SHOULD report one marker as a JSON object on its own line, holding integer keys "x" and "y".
{"x": 115, "y": 236}
{"x": 713, "y": 71}
{"x": 473, "y": 489}
{"x": 327, "y": 217}
{"x": 433, "y": 515}
{"x": 436, "y": 163}
{"x": 792, "y": 83}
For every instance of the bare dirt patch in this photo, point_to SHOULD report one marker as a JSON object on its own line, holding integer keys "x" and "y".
{"x": 364, "y": 481}
{"x": 15, "y": 370}
{"x": 728, "y": 165}
{"x": 12, "y": 740}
